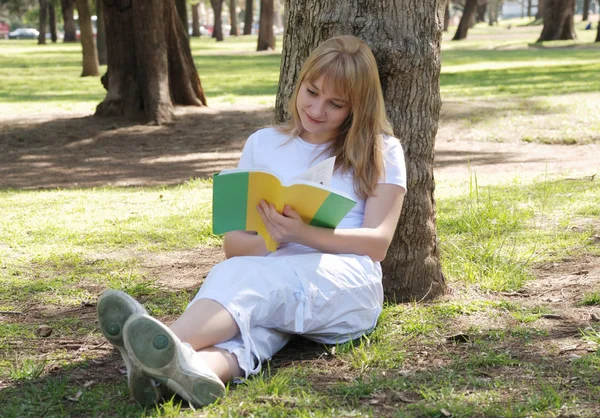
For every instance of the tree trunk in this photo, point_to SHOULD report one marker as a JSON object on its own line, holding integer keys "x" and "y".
{"x": 182, "y": 12}
{"x": 43, "y": 19}
{"x": 217, "y": 6}
{"x": 405, "y": 37}
{"x": 447, "y": 16}
{"x": 248, "y": 17}
{"x": 558, "y": 20}
{"x": 463, "y": 26}
{"x": 88, "y": 44}
{"x": 101, "y": 34}
{"x": 481, "y": 9}
{"x": 196, "y": 20}
{"x": 266, "y": 37}
{"x": 540, "y": 9}
{"x": 69, "y": 22}
{"x": 586, "y": 11}
{"x": 233, "y": 18}
{"x": 52, "y": 22}
{"x": 150, "y": 65}
{"x": 598, "y": 33}
{"x": 529, "y": 4}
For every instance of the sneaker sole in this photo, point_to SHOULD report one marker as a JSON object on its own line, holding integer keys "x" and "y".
{"x": 114, "y": 309}
{"x": 153, "y": 346}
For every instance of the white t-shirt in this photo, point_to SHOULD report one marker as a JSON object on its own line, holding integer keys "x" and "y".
{"x": 273, "y": 150}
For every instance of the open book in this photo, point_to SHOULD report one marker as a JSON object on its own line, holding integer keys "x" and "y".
{"x": 236, "y": 193}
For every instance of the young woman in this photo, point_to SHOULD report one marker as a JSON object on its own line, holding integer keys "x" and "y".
{"x": 321, "y": 283}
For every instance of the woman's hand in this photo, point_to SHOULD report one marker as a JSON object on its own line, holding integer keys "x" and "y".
{"x": 286, "y": 227}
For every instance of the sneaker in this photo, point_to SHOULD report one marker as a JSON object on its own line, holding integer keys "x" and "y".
{"x": 162, "y": 356}
{"x": 114, "y": 308}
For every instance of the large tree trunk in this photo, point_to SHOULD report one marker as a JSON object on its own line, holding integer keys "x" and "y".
{"x": 150, "y": 65}
{"x": 69, "y": 22}
{"x": 540, "y": 9}
{"x": 182, "y": 12}
{"x": 233, "y": 17}
{"x": 217, "y": 6}
{"x": 88, "y": 44}
{"x": 52, "y": 22}
{"x": 43, "y": 19}
{"x": 196, "y": 20}
{"x": 101, "y": 34}
{"x": 467, "y": 16}
{"x": 266, "y": 37}
{"x": 248, "y": 17}
{"x": 405, "y": 37}
{"x": 558, "y": 20}
{"x": 586, "y": 11}
{"x": 447, "y": 16}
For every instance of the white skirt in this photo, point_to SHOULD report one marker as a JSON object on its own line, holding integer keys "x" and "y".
{"x": 328, "y": 298}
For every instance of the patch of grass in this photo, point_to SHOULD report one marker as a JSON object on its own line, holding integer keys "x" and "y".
{"x": 591, "y": 299}
{"x": 26, "y": 369}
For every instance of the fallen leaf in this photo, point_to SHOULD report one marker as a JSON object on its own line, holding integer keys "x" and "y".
{"x": 88, "y": 384}
{"x": 445, "y": 412}
{"x": 409, "y": 397}
{"x": 75, "y": 397}
{"x": 43, "y": 331}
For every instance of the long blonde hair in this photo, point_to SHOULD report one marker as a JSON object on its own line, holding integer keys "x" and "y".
{"x": 348, "y": 66}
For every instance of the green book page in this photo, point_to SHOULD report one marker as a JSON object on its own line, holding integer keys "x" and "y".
{"x": 332, "y": 211}
{"x": 230, "y": 202}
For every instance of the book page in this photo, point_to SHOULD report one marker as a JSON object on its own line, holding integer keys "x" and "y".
{"x": 320, "y": 173}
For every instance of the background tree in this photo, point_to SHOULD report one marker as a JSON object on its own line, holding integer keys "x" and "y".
{"x": 67, "y": 7}
{"x": 248, "y": 17}
{"x": 196, "y": 19}
{"x": 406, "y": 44}
{"x": 586, "y": 11}
{"x": 217, "y": 6}
{"x": 43, "y": 19}
{"x": 182, "y": 12}
{"x": 482, "y": 6}
{"x": 101, "y": 33}
{"x": 233, "y": 17}
{"x": 540, "y": 9}
{"x": 52, "y": 21}
{"x": 598, "y": 30}
{"x": 447, "y": 17}
{"x": 494, "y": 11}
{"x": 88, "y": 44}
{"x": 465, "y": 20}
{"x": 558, "y": 20}
{"x": 150, "y": 65}
{"x": 266, "y": 37}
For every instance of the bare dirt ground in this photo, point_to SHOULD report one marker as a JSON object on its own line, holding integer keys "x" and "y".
{"x": 61, "y": 150}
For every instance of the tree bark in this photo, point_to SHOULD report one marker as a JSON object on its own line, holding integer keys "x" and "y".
{"x": 447, "y": 16}
{"x": 150, "y": 65}
{"x": 88, "y": 44}
{"x": 405, "y": 37}
{"x": 233, "y": 18}
{"x": 529, "y": 4}
{"x": 558, "y": 20}
{"x": 43, "y": 19}
{"x": 217, "y": 6}
{"x": 266, "y": 37}
{"x": 182, "y": 12}
{"x": 248, "y": 17}
{"x": 463, "y": 26}
{"x": 540, "y": 9}
{"x": 481, "y": 9}
{"x": 101, "y": 34}
{"x": 52, "y": 22}
{"x": 586, "y": 11}
{"x": 196, "y": 20}
{"x": 69, "y": 22}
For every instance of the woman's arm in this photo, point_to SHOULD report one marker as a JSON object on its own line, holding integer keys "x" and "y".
{"x": 382, "y": 211}
{"x": 238, "y": 243}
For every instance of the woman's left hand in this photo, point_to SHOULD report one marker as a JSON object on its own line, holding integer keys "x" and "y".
{"x": 284, "y": 227}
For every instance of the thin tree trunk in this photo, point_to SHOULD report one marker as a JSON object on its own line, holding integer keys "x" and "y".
{"x": 586, "y": 11}
{"x": 52, "y": 22}
{"x": 43, "y": 19}
{"x": 68, "y": 21}
{"x": 447, "y": 16}
{"x": 182, "y": 12}
{"x": 406, "y": 44}
{"x": 248, "y": 17}
{"x": 196, "y": 20}
{"x": 598, "y": 30}
{"x": 101, "y": 34}
{"x": 540, "y": 9}
{"x": 481, "y": 9}
{"x": 465, "y": 20}
{"x": 266, "y": 37}
{"x": 88, "y": 45}
{"x": 233, "y": 18}
{"x": 529, "y": 4}
{"x": 558, "y": 20}
{"x": 150, "y": 65}
{"x": 217, "y": 6}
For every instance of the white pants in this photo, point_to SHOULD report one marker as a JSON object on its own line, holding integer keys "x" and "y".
{"x": 324, "y": 297}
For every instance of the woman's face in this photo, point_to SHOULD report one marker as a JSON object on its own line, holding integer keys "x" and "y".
{"x": 321, "y": 111}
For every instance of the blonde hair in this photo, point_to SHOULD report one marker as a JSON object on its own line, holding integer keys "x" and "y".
{"x": 348, "y": 66}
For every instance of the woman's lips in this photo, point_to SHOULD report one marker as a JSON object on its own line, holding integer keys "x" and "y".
{"x": 313, "y": 120}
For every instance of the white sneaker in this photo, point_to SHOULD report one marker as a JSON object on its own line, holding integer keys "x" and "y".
{"x": 161, "y": 355}
{"x": 114, "y": 308}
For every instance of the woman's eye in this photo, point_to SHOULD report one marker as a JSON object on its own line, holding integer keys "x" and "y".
{"x": 337, "y": 106}
{"x": 311, "y": 92}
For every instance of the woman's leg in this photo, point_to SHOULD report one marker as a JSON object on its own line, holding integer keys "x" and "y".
{"x": 204, "y": 324}
{"x": 222, "y": 362}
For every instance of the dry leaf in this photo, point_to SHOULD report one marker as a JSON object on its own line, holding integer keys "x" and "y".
{"x": 75, "y": 397}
